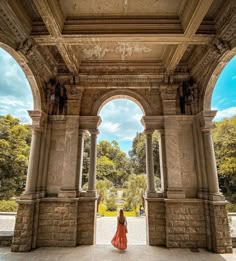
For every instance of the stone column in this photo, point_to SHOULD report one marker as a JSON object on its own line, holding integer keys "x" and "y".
{"x": 69, "y": 186}
{"x": 149, "y": 163}
{"x": 93, "y": 159}
{"x": 212, "y": 177}
{"x": 162, "y": 156}
{"x": 209, "y": 154}
{"x": 33, "y": 161}
{"x": 32, "y": 173}
{"x": 80, "y": 159}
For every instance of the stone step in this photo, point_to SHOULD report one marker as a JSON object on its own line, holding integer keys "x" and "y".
{"x": 6, "y": 238}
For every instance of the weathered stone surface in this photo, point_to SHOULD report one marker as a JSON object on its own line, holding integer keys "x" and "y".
{"x": 86, "y": 221}
{"x": 57, "y": 223}
{"x": 22, "y": 239}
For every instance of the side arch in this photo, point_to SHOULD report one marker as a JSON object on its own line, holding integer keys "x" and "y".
{"x": 127, "y": 94}
{"x": 34, "y": 82}
{"x": 225, "y": 58}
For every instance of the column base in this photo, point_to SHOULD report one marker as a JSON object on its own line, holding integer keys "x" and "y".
{"x": 216, "y": 197}
{"x": 28, "y": 196}
{"x": 67, "y": 194}
{"x": 154, "y": 194}
{"x": 175, "y": 193}
{"x": 89, "y": 193}
{"x": 203, "y": 194}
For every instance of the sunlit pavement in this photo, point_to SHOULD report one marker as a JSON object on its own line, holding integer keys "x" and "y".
{"x": 107, "y": 252}
{"x": 106, "y": 228}
{"x": 136, "y": 251}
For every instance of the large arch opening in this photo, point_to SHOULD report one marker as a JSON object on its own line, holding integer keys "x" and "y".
{"x": 224, "y": 132}
{"x": 19, "y": 93}
{"x": 121, "y": 168}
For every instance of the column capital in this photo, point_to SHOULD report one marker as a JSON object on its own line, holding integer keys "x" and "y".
{"x": 82, "y": 132}
{"x": 93, "y": 131}
{"x": 205, "y": 118}
{"x": 39, "y": 119}
{"x": 148, "y": 132}
{"x": 89, "y": 122}
{"x": 153, "y": 122}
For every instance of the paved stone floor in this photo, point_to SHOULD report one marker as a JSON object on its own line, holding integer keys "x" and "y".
{"x": 7, "y": 222}
{"x": 108, "y": 253}
{"x": 106, "y": 227}
{"x": 136, "y": 251}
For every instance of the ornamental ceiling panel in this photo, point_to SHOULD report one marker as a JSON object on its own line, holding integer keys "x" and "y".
{"x": 119, "y": 51}
{"x": 121, "y": 7}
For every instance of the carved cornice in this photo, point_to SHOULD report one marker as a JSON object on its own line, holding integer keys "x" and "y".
{"x": 31, "y": 51}
{"x": 15, "y": 19}
{"x": 213, "y": 53}
{"x": 51, "y": 14}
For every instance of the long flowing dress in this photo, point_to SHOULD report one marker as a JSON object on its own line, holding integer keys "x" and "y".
{"x": 119, "y": 240}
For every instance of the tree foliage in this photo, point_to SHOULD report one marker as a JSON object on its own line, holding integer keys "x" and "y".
{"x": 14, "y": 153}
{"x": 112, "y": 163}
{"x": 138, "y": 154}
{"x": 224, "y": 136}
{"x": 135, "y": 188}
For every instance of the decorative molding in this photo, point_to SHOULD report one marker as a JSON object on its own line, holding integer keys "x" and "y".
{"x": 16, "y": 19}
{"x": 89, "y": 122}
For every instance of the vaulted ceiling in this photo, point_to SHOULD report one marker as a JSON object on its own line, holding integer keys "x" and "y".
{"x": 73, "y": 32}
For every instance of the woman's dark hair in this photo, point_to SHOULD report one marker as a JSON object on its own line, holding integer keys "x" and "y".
{"x": 121, "y": 213}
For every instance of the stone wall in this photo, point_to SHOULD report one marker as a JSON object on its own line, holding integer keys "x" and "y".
{"x": 220, "y": 230}
{"x": 22, "y": 240}
{"x": 86, "y": 221}
{"x": 156, "y": 223}
{"x": 56, "y": 156}
{"x": 185, "y": 223}
{"x": 57, "y": 223}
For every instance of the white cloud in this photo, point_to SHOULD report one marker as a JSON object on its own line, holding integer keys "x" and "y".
{"x": 110, "y": 127}
{"x": 227, "y": 113}
{"x": 11, "y": 101}
{"x": 120, "y": 121}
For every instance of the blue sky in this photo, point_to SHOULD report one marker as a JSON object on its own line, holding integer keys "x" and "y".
{"x": 120, "y": 117}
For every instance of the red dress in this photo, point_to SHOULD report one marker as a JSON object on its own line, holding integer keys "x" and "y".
{"x": 119, "y": 240}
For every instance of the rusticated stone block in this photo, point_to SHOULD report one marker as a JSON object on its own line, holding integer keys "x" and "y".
{"x": 220, "y": 232}
{"x": 57, "y": 223}
{"x": 185, "y": 224}
{"x": 22, "y": 239}
{"x": 86, "y": 221}
{"x": 155, "y": 212}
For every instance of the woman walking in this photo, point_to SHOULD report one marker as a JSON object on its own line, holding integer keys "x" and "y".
{"x": 119, "y": 240}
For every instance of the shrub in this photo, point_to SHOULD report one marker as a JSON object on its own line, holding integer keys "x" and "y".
{"x": 8, "y": 206}
{"x": 231, "y": 207}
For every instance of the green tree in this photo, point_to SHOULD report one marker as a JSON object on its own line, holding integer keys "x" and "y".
{"x": 112, "y": 162}
{"x": 135, "y": 189}
{"x": 138, "y": 154}
{"x": 224, "y": 135}
{"x": 14, "y": 153}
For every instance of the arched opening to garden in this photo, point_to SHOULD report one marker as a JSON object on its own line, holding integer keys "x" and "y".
{"x": 16, "y": 97}
{"x": 224, "y": 132}
{"x": 121, "y": 168}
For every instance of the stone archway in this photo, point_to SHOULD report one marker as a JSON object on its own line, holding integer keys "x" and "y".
{"x": 139, "y": 55}
{"x": 34, "y": 82}
{"x": 216, "y": 71}
{"x": 126, "y": 94}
